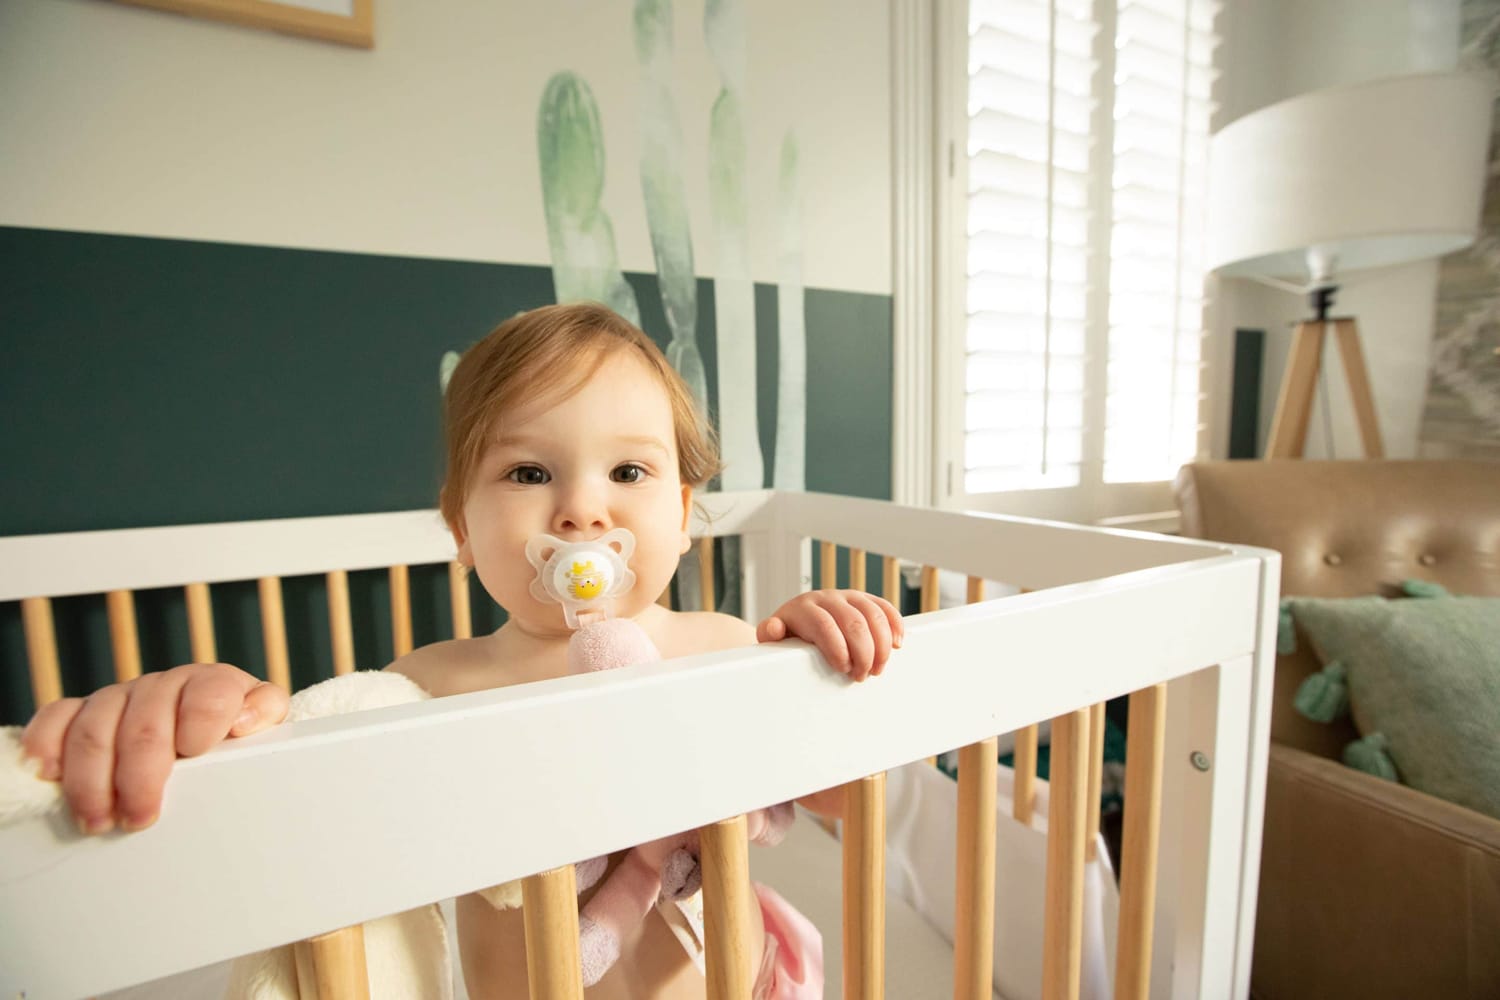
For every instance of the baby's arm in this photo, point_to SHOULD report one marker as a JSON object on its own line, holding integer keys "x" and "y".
{"x": 853, "y": 630}
{"x": 113, "y": 750}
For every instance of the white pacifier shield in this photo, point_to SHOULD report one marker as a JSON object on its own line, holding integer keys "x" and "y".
{"x": 582, "y": 576}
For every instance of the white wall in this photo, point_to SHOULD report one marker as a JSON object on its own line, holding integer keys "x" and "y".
{"x": 1276, "y": 49}
{"x": 119, "y": 119}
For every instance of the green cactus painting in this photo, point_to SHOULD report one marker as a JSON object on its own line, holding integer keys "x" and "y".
{"x": 734, "y": 292}
{"x": 570, "y": 145}
{"x": 666, "y": 215}
{"x": 790, "y": 472}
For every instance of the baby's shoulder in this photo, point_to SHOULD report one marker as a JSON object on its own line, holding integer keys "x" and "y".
{"x": 453, "y": 666}
{"x": 689, "y": 632}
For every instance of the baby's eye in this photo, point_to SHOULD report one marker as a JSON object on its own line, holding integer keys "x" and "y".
{"x": 528, "y": 475}
{"x": 628, "y": 473}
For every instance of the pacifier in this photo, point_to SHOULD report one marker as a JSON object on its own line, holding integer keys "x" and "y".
{"x": 584, "y": 577}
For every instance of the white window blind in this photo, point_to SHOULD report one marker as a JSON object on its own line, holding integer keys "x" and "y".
{"x": 1083, "y": 269}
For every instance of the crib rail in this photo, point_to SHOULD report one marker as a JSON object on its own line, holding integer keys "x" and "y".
{"x": 438, "y": 783}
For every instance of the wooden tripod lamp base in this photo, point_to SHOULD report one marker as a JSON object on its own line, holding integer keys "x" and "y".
{"x": 1294, "y": 406}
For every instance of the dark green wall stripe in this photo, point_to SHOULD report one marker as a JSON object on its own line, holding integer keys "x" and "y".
{"x": 149, "y": 381}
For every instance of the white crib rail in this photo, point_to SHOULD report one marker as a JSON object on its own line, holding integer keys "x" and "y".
{"x": 323, "y": 824}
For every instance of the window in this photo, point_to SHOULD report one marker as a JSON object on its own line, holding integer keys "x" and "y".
{"x": 1072, "y": 216}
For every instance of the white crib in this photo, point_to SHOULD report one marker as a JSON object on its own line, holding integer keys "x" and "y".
{"x": 336, "y": 813}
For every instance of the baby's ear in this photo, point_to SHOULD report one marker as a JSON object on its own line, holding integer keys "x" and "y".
{"x": 687, "y": 517}
{"x": 460, "y": 534}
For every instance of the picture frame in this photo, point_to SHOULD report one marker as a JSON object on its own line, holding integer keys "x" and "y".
{"x": 347, "y": 22}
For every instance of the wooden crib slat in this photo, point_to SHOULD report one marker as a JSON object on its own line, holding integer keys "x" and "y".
{"x": 332, "y": 966}
{"x": 727, "y": 902}
{"x": 1024, "y": 800}
{"x": 974, "y": 910}
{"x": 340, "y": 627}
{"x": 200, "y": 611}
{"x": 1067, "y": 819}
{"x": 553, "y": 966}
{"x": 41, "y": 650}
{"x": 864, "y": 888}
{"x": 857, "y": 569}
{"x": 124, "y": 638}
{"x": 1096, "y": 779}
{"x": 1138, "y": 850}
{"x": 890, "y": 580}
{"x": 706, "y": 573}
{"x": 273, "y": 632}
{"x": 401, "y": 610}
{"x": 931, "y": 598}
{"x": 458, "y": 592}
{"x": 828, "y": 565}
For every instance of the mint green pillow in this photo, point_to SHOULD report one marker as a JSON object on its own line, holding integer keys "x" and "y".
{"x": 1424, "y": 672}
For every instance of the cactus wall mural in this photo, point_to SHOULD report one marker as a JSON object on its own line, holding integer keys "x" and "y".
{"x": 584, "y": 259}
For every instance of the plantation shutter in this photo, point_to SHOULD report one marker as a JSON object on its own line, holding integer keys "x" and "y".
{"x": 1036, "y": 186}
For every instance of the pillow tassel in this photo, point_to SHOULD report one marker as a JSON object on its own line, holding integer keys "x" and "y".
{"x": 1423, "y": 588}
{"x": 1324, "y": 696}
{"x": 1369, "y": 755}
{"x": 1286, "y": 634}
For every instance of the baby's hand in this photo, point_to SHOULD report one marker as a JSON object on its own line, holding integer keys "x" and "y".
{"x": 113, "y": 750}
{"x": 853, "y": 630}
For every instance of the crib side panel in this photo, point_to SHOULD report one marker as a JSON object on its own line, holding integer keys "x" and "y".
{"x": 444, "y": 772}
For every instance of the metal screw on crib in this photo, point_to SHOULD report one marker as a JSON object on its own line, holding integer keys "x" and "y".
{"x": 1199, "y": 760}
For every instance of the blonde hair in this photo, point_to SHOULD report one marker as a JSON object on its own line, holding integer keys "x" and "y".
{"x": 550, "y": 349}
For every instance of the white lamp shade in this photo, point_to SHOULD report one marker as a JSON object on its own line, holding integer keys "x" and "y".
{"x": 1370, "y": 174}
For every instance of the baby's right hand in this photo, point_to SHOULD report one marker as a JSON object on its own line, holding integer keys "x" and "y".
{"x": 114, "y": 749}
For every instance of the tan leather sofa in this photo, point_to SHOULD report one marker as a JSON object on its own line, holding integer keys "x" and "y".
{"x": 1367, "y": 888}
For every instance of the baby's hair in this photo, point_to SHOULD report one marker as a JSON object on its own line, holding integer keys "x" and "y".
{"x": 555, "y": 349}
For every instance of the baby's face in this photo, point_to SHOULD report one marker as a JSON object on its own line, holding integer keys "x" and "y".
{"x": 576, "y": 466}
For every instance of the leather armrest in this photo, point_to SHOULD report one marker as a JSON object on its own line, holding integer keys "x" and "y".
{"x": 1372, "y": 889}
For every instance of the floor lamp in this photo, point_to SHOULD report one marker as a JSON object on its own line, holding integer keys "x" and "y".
{"x": 1339, "y": 180}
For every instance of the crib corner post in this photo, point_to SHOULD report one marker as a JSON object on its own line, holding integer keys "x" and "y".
{"x": 1209, "y": 855}
{"x": 775, "y": 565}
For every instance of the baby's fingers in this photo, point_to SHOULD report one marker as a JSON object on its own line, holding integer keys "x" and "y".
{"x": 773, "y": 629}
{"x": 146, "y": 748}
{"x": 42, "y": 739}
{"x": 893, "y": 618}
{"x": 882, "y": 635}
{"x": 816, "y": 624}
{"x": 219, "y": 701}
{"x": 89, "y": 749}
{"x": 859, "y": 637}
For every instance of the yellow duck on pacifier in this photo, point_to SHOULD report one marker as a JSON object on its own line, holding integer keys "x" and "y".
{"x": 585, "y": 582}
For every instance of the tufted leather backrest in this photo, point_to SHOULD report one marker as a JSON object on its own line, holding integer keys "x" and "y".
{"x": 1347, "y": 528}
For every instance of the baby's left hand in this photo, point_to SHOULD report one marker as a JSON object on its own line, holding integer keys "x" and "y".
{"x": 853, "y": 630}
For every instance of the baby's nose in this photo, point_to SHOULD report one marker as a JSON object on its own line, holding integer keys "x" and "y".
{"x": 581, "y": 514}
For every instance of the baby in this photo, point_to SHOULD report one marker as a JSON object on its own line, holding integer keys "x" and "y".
{"x": 565, "y": 421}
